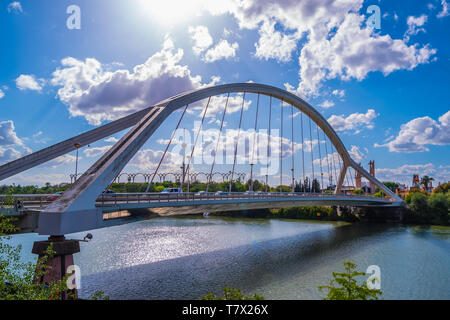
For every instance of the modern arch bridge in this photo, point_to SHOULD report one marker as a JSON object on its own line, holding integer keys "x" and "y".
{"x": 81, "y": 208}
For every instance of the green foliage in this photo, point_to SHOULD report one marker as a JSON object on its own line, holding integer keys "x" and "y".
{"x": 345, "y": 287}
{"x": 442, "y": 188}
{"x": 358, "y": 191}
{"x": 18, "y": 279}
{"x": 231, "y": 294}
{"x": 380, "y": 194}
{"x": 391, "y": 185}
{"x": 311, "y": 213}
{"x": 425, "y": 209}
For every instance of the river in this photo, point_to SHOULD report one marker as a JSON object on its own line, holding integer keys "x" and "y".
{"x": 186, "y": 257}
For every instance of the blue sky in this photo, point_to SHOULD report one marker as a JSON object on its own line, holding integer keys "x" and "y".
{"x": 385, "y": 91}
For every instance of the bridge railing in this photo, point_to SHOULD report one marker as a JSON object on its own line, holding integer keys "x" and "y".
{"x": 25, "y": 200}
{"x": 117, "y": 198}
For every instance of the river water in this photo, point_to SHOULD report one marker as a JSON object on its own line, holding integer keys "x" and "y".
{"x": 186, "y": 257}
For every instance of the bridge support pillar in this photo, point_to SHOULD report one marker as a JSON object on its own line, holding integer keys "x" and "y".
{"x": 58, "y": 264}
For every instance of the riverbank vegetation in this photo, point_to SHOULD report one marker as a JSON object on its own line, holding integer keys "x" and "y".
{"x": 423, "y": 208}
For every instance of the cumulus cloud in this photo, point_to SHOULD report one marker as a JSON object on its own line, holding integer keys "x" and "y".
{"x": 222, "y": 50}
{"x": 415, "y": 135}
{"x": 338, "y": 45}
{"x": 414, "y": 24}
{"x": 405, "y": 173}
{"x": 444, "y": 12}
{"x": 96, "y": 151}
{"x": 15, "y": 7}
{"x": 352, "y": 53}
{"x": 339, "y": 93}
{"x": 111, "y": 139}
{"x": 29, "y": 82}
{"x": 202, "y": 38}
{"x": 2, "y": 94}
{"x": 8, "y": 136}
{"x": 10, "y": 143}
{"x": 273, "y": 44}
{"x": 355, "y": 121}
{"x": 326, "y": 104}
{"x": 98, "y": 95}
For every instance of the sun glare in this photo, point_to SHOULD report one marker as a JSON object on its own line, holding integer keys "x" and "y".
{"x": 171, "y": 11}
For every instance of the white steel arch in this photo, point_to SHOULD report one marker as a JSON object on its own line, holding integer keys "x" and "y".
{"x": 80, "y": 198}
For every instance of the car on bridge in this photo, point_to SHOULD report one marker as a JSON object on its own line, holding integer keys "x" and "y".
{"x": 201, "y": 193}
{"x": 54, "y": 196}
{"x": 172, "y": 190}
{"x": 221, "y": 193}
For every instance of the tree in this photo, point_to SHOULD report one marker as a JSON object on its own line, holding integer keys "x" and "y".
{"x": 438, "y": 205}
{"x": 425, "y": 182}
{"x": 442, "y": 188}
{"x": 345, "y": 287}
{"x": 230, "y": 294}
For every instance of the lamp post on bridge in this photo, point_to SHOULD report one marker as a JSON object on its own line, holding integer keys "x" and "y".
{"x": 77, "y": 145}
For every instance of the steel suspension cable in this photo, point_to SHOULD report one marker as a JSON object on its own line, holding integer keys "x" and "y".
{"x": 217, "y": 144}
{"x": 303, "y": 152}
{"x": 254, "y": 146}
{"x": 268, "y": 144}
{"x": 330, "y": 176}
{"x": 167, "y": 148}
{"x": 334, "y": 164}
{"x": 292, "y": 148}
{"x": 195, "y": 143}
{"x": 237, "y": 141}
{"x": 312, "y": 155}
{"x": 320, "y": 155}
{"x": 281, "y": 149}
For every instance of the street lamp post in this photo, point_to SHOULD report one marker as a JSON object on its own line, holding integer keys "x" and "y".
{"x": 77, "y": 145}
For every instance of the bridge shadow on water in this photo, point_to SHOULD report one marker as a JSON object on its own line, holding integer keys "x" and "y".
{"x": 247, "y": 266}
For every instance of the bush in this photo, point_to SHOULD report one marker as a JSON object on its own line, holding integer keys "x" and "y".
{"x": 345, "y": 287}
{"x": 231, "y": 294}
{"x": 438, "y": 205}
{"x": 442, "y": 188}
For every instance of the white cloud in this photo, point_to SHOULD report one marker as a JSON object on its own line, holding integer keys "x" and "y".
{"x": 338, "y": 44}
{"x": 273, "y": 44}
{"x": 355, "y": 121}
{"x": 29, "y": 82}
{"x": 10, "y": 143}
{"x": 202, "y": 39}
{"x": 404, "y": 173}
{"x": 339, "y": 93}
{"x": 414, "y": 24}
{"x": 444, "y": 12}
{"x": 356, "y": 154}
{"x": 217, "y": 105}
{"x": 15, "y": 7}
{"x": 415, "y": 135}
{"x": 2, "y": 94}
{"x": 326, "y": 104}
{"x": 8, "y": 154}
{"x": 112, "y": 139}
{"x": 222, "y": 50}
{"x": 97, "y": 95}
{"x": 147, "y": 160}
{"x": 353, "y": 52}
{"x": 96, "y": 151}
{"x": 8, "y": 136}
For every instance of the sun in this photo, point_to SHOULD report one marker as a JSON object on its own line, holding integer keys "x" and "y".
{"x": 171, "y": 11}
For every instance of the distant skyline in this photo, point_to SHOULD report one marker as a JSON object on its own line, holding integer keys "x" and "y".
{"x": 383, "y": 87}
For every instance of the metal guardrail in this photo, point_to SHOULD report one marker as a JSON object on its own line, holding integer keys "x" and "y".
{"x": 41, "y": 200}
{"x": 118, "y": 198}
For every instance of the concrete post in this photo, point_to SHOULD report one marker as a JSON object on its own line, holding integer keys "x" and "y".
{"x": 62, "y": 259}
